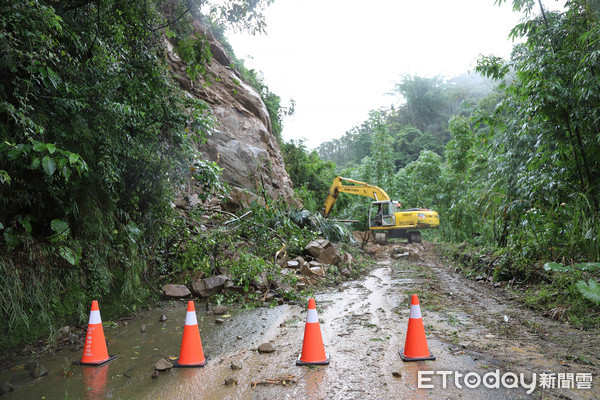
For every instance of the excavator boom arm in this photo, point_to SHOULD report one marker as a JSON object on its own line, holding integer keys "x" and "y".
{"x": 359, "y": 188}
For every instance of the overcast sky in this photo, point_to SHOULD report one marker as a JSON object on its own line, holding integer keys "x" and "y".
{"x": 338, "y": 58}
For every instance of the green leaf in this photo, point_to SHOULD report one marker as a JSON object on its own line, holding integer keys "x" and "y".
{"x": 4, "y": 177}
{"x": 27, "y": 225}
{"x": 588, "y": 266}
{"x": 51, "y": 147}
{"x": 37, "y": 146}
{"x": 53, "y": 77}
{"x": 68, "y": 254}
{"x": 556, "y": 267}
{"x": 59, "y": 226}
{"x": 49, "y": 165}
{"x": 73, "y": 158}
{"x": 11, "y": 238}
{"x": 590, "y": 290}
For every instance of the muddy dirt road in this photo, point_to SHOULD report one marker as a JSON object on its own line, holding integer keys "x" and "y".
{"x": 472, "y": 328}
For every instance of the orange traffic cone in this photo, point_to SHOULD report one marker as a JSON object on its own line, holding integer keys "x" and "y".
{"x": 313, "y": 351}
{"x": 415, "y": 347}
{"x": 95, "y": 351}
{"x": 191, "y": 353}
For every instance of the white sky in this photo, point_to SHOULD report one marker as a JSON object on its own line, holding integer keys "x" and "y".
{"x": 338, "y": 58}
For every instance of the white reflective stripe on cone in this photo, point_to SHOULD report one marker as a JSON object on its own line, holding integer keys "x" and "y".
{"x": 95, "y": 318}
{"x": 190, "y": 318}
{"x": 312, "y": 316}
{"x": 415, "y": 311}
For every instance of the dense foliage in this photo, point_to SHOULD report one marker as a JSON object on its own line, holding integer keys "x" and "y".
{"x": 420, "y": 122}
{"x": 517, "y": 169}
{"x": 311, "y": 175}
{"x": 94, "y": 138}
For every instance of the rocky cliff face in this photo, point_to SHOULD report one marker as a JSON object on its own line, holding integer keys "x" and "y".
{"x": 242, "y": 144}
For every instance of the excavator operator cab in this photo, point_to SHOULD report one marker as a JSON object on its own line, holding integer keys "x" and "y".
{"x": 382, "y": 213}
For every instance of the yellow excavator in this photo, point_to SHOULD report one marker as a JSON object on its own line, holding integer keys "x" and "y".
{"x": 386, "y": 220}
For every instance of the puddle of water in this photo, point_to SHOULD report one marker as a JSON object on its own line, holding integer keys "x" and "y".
{"x": 362, "y": 332}
{"x": 137, "y": 353}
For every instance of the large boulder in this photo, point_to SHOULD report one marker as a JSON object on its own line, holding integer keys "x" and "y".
{"x": 176, "y": 291}
{"x": 323, "y": 251}
{"x": 212, "y": 285}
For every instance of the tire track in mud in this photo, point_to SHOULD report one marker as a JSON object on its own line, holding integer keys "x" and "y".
{"x": 480, "y": 318}
{"x": 366, "y": 322}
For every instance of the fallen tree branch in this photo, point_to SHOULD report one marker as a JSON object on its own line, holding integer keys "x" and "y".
{"x": 282, "y": 380}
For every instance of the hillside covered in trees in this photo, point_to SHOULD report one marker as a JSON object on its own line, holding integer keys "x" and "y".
{"x": 418, "y": 120}
{"x": 511, "y": 162}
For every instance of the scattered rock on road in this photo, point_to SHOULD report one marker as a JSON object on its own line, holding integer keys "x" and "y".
{"x": 266, "y": 348}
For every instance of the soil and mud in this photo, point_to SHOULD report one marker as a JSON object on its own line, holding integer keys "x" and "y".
{"x": 471, "y": 327}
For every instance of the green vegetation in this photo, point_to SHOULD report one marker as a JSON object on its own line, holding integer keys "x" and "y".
{"x": 94, "y": 137}
{"x": 511, "y": 163}
{"x": 419, "y": 122}
{"x": 311, "y": 175}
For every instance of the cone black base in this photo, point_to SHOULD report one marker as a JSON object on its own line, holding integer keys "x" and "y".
{"x": 110, "y": 358}
{"x": 196, "y": 365}
{"x": 324, "y": 362}
{"x": 404, "y": 358}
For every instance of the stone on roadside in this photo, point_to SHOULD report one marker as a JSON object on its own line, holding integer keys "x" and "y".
{"x": 330, "y": 255}
{"x": 175, "y": 291}
{"x": 230, "y": 382}
{"x": 316, "y": 247}
{"x": 322, "y": 250}
{"x": 235, "y": 365}
{"x": 266, "y": 348}
{"x": 306, "y": 271}
{"x": 212, "y": 285}
{"x": 63, "y": 334}
{"x": 317, "y": 268}
{"x": 347, "y": 260}
{"x": 163, "y": 365}
{"x": 193, "y": 200}
{"x": 414, "y": 253}
{"x": 301, "y": 261}
{"x": 143, "y": 328}
{"x": 220, "y": 310}
{"x": 39, "y": 371}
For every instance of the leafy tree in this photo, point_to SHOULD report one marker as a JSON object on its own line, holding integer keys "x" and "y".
{"x": 423, "y": 102}
{"x": 544, "y": 150}
{"x": 94, "y": 137}
{"x": 311, "y": 175}
{"x": 419, "y": 123}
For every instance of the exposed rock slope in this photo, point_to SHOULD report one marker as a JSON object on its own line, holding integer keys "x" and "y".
{"x": 242, "y": 144}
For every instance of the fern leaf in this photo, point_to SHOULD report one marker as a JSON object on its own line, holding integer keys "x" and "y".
{"x": 590, "y": 290}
